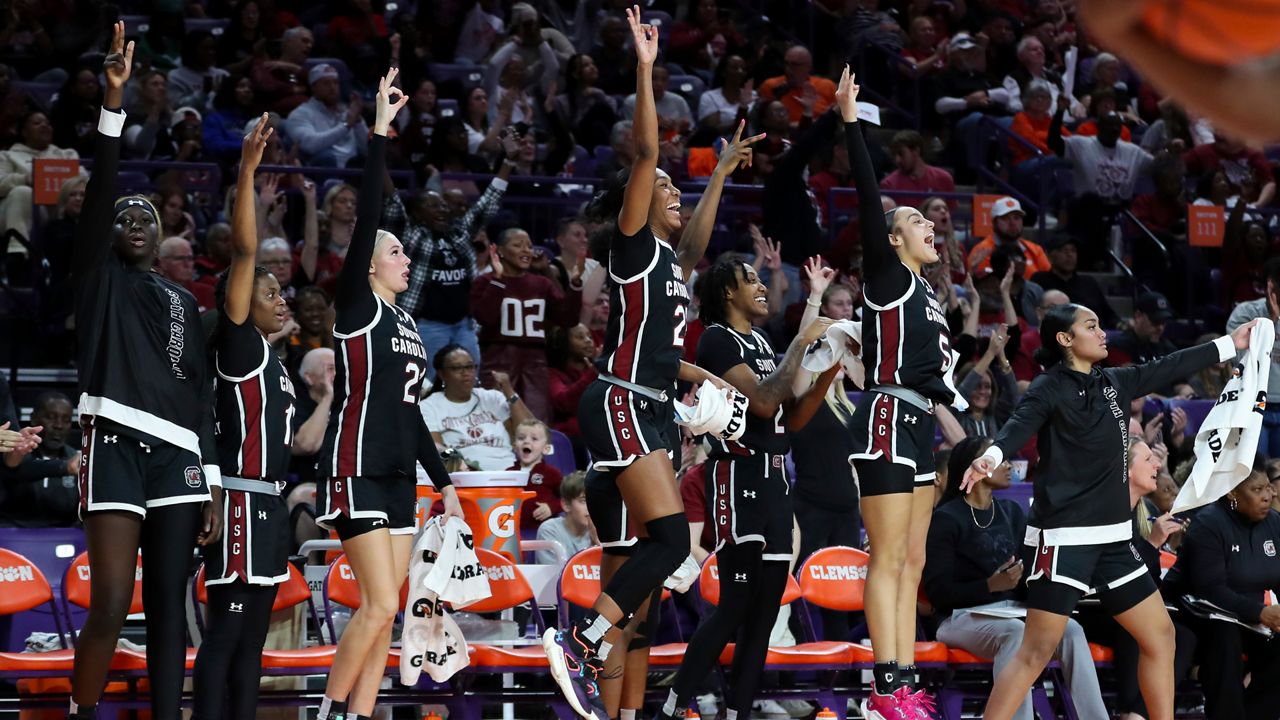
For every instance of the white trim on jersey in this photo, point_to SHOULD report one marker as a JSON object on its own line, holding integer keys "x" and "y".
{"x": 1055, "y": 576}
{"x": 1080, "y": 535}
{"x": 894, "y": 457}
{"x": 895, "y": 303}
{"x": 153, "y": 425}
{"x": 178, "y": 500}
{"x": 733, "y": 512}
{"x": 376, "y": 317}
{"x": 266, "y": 357}
{"x": 776, "y": 557}
{"x": 657, "y": 253}
{"x": 1137, "y": 573}
{"x": 364, "y": 404}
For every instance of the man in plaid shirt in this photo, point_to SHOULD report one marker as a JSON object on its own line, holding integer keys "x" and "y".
{"x": 443, "y": 260}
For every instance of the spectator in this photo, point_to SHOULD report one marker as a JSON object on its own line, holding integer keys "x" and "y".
{"x": 700, "y": 41}
{"x": 443, "y": 259}
{"x": 1006, "y": 226}
{"x": 357, "y": 32}
{"x": 1031, "y": 68}
{"x": 991, "y": 392}
{"x": 946, "y": 237}
{"x": 338, "y": 219}
{"x": 511, "y": 304}
{"x": 1107, "y": 74}
{"x": 913, "y": 173}
{"x": 475, "y": 422}
{"x": 417, "y": 123}
{"x": 538, "y": 67}
{"x": 314, "y": 317}
{"x": 1244, "y": 166}
{"x": 925, "y": 51}
{"x": 1266, "y": 307}
{"x": 482, "y": 136}
{"x": 175, "y": 221}
{"x": 803, "y": 94}
{"x": 1175, "y": 124}
{"x": 585, "y": 107}
{"x": 311, "y": 416}
{"x": 242, "y": 39}
{"x": 575, "y": 257}
{"x": 1062, "y": 275}
{"x": 15, "y": 103}
{"x": 1164, "y": 211}
{"x": 281, "y": 79}
{"x": 17, "y": 168}
{"x": 693, "y": 493}
{"x": 328, "y": 132}
{"x": 177, "y": 264}
{"x": 972, "y": 561}
{"x": 967, "y": 94}
{"x": 217, "y": 253}
{"x": 572, "y": 357}
{"x": 275, "y": 255}
{"x": 674, "y": 117}
{"x": 1143, "y": 341}
{"x": 1229, "y": 559}
{"x": 74, "y": 111}
{"x": 197, "y": 79}
{"x": 43, "y": 491}
{"x": 480, "y": 31}
{"x": 532, "y": 444}
{"x": 730, "y": 98}
{"x": 573, "y": 530}
{"x": 233, "y": 108}
{"x": 1032, "y": 124}
{"x": 614, "y": 58}
{"x": 1209, "y": 382}
{"x": 150, "y": 118}
{"x": 1025, "y": 368}
{"x": 1104, "y": 103}
{"x": 161, "y": 45}
{"x": 54, "y": 244}
{"x": 1245, "y": 248}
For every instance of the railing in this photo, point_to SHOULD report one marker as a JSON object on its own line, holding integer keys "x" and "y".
{"x": 1002, "y": 137}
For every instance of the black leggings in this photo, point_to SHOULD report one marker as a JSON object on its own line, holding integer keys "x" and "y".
{"x": 749, "y": 608}
{"x": 167, "y": 538}
{"x": 229, "y": 665}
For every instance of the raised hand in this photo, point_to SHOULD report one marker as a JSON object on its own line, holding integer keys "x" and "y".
{"x": 1006, "y": 282}
{"x": 1240, "y": 336}
{"x": 254, "y": 143}
{"x": 390, "y": 100}
{"x": 981, "y": 468}
{"x": 645, "y": 36}
{"x": 495, "y": 261}
{"x": 737, "y": 152}
{"x": 117, "y": 66}
{"x": 510, "y": 143}
{"x": 820, "y": 276}
{"x": 815, "y": 329}
{"x": 847, "y": 96}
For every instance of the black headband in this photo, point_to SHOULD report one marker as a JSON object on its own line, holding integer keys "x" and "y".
{"x": 133, "y": 201}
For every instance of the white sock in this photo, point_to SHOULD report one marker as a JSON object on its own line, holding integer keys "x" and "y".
{"x": 730, "y": 714}
{"x": 603, "y": 651}
{"x": 669, "y": 707}
{"x": 594, "y": 632}
{"x": 626, "y": 715}
{"x": 328, "y": 711}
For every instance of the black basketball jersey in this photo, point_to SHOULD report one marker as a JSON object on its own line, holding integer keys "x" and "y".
{"x": 374, "y": 428}
{"x": 906, "y": 343}
{"x": 648, "y": 303}
{"x": 720, "y": 349}
{"x": 254, "y": 405}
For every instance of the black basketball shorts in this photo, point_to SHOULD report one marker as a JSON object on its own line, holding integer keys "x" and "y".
{"x": 255, "y": 542}
{"x": 1062, "y": 574}
{"x": 887, "y": 429}
{"x": 357, "y": 505}
{"x": 120, "y": 472}
{"x": 620, "y": 426}
{"x": 749, "y": 500}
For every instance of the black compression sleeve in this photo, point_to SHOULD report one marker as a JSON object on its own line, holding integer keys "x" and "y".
{"x": 885, "y": 278}
{"x": 353, "y": 279}
{"x": 429, "y": 456}
{"x": 91, "y": 242}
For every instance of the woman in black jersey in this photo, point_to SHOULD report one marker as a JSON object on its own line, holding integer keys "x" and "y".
{"x": 906, "y": 350}
{"x": 1079, "y": 531}
{"x": 625, "y": 413}
{"x": 254, "y": 409}
{"x": 747, "y": 486}
{"x": 375, "y": 435}
{"x": 148, "y": 443}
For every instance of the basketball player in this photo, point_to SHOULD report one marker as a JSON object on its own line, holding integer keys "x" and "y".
{"x": 624, "y": 414}
{"x": 375, "y": 435}
{"x": 149, "y": 458}
{"x": 747, "y": 486}
{"x": 908, "y": 358}
{"x": 1080, "y": 526}
{"x": 254, "y": 409}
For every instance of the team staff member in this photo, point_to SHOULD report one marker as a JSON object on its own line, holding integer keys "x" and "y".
{"x": 908, "y": 358}
{"x": 626, "y": 411}
{"x": 375, "y": 435}
{"x": 146, "y": 414}
{"x": 747, "y": 486}
{"x": 254, "y": 404}
{"x": 1229, "y": 558}
{"x": 1080, "y": 527}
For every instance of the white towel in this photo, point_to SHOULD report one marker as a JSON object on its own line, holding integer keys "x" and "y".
{"x": 431, "y": 639}
{"x": 1228, "y": 439}
{"x": 833, "y": 347}
{"x": 457, "y": 575}
{"x": 719, "y": 411}
{"x": 682, "y": 579}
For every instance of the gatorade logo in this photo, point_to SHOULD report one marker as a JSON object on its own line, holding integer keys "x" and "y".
{"x": 586, "y": 572}
{"x": 838, "y": 572}
{"x": 502, "y": 521}
{"x": 17, "y": 573}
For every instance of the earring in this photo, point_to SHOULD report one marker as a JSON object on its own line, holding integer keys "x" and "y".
{"x": 1233, "y": 502}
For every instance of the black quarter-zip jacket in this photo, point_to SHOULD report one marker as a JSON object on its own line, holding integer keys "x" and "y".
{"x": 1082, "y": 425}
{"x": 1228, "y": 560}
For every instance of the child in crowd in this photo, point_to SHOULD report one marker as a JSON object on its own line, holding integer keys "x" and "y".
{"x": 573, "y": 529}
{"x": 532, "y": 442}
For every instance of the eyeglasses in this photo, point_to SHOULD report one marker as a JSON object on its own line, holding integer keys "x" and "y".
{"x": 460, "y": 368}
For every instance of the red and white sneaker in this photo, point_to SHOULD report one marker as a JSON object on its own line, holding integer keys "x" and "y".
{"x": 884, "y": 707}
{"x": 918, "y": 705}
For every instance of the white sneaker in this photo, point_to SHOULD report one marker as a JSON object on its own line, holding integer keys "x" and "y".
{"x": 708, "y": 705}
{"x": 797, "y": 708}
{"x": 769, "y": 708}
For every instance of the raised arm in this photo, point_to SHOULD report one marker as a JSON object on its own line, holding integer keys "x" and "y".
{"x": 244, "y": 227}
{"x": 353, "y": 279}
{"x": 767, "y": 395}
{"x": 644, "y": 170}
{"x": 696, "y": 235}
{"x": 92, "y": 239}
{"x": 1150, "y": 377}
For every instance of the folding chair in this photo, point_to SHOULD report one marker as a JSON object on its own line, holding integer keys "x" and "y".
{"x": 27, "y": 588}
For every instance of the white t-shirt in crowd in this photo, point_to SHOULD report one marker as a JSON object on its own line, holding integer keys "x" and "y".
{"x": 714, "y": 101}
{"x": 475, "y": 427}
{"x": 1109, "y": 172}
{"x": 557, "y": 528}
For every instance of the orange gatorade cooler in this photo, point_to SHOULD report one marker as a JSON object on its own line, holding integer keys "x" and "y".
{"x": 491, "y": 505}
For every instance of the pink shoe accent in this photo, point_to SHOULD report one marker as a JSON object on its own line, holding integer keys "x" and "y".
{"x": 884, "y": 707}
{"x": 918, "y": 705}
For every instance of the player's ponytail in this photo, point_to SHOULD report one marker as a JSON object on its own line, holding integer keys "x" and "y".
{"x": 1059, "y": 319}
{"x": 219, "y": 307}
{"x": 607, "y": 203}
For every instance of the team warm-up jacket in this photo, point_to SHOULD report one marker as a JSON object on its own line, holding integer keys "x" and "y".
{"x": 1082, "y": 425}
{"x": 1228, "y": 560}
{"x": 141, "y": 344}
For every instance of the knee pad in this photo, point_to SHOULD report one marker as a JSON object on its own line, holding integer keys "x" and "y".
{"x": 670, "y": 541}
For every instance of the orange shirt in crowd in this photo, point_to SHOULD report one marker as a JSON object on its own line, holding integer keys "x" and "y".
{"x": 980, "y": 257}
{"x": 1089, "y": 128}
{"x": 825, "y": 89}
{"x": 1033, "y": 130}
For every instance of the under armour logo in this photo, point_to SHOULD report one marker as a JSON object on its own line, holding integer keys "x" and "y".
{"x": 739, "y": 577}
{"x": 1081, "y": 393}
{"x": 262, "y": 514}
{"x": 749, "y": 493}
{"x": 910, "y": 419}
{"x": 237, "y": 607}
{"x": 379, "y": 521}
{"x": 111, "y": 439}
{"x": 1235, "y": 548}
{"x": 145, "y": 447}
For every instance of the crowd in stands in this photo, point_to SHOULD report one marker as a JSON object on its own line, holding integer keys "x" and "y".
{"x": 519, "y": 111}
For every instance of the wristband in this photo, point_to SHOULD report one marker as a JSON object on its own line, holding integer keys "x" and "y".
{"x": 515, "y": 398}
{"x": 812, "y": 303}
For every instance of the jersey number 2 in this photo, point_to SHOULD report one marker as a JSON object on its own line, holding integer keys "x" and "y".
{"x": 413, "y": 374}
{"x": 677, "y": 339}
